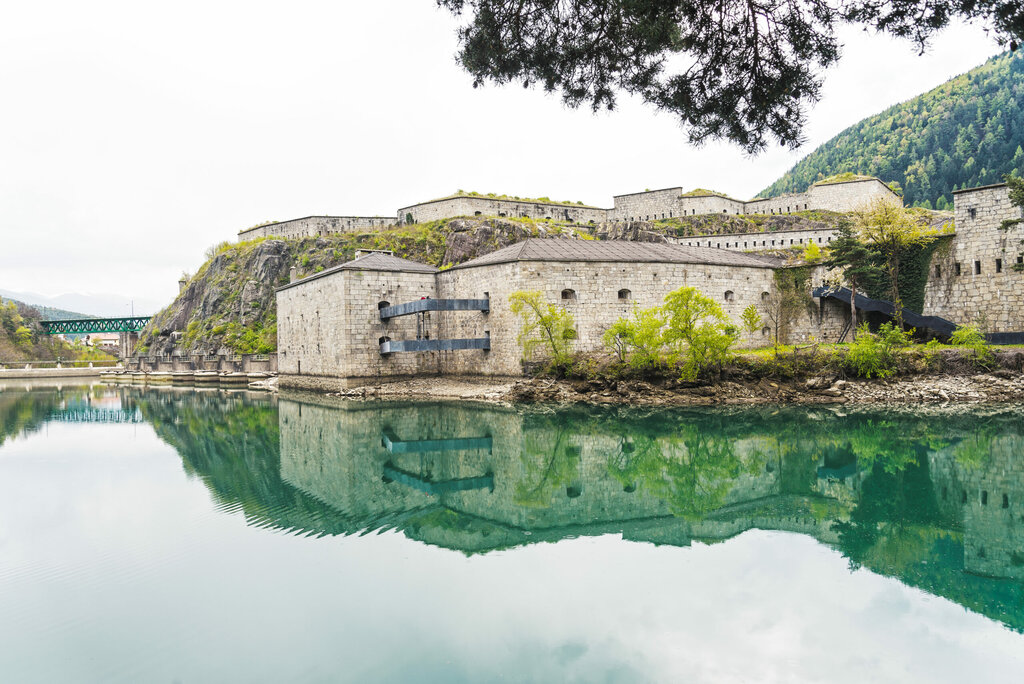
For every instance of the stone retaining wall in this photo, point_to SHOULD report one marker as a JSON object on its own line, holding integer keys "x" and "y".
{"x": 312, "y": 226}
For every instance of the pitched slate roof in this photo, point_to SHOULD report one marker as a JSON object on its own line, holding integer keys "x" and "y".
{"x": 535, "y": 249}
{"x": 369, "y": 262}
{"x": 377, "y": 261}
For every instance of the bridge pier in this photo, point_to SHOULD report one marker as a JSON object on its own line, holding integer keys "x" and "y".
{"x": 127, "y": 342}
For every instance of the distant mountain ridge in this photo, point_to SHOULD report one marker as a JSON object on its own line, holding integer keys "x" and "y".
{"x": 48, "y": 313}
{"x": 113, "y": 305}
{"x": 967, "y": 132}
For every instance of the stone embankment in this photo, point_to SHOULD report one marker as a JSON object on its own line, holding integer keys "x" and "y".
{"x": 998, "y": 386}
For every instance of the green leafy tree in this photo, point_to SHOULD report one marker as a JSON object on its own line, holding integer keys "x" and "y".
{"x": 751, "y": 319}
{"x": 750, "y": 69}
{"x": 857, "y": 264}
{"x": 890, "y": 229}
{"x": 640, "y": 338}
{"x": 545, "y": 325}
{"x": 696, "y": 332}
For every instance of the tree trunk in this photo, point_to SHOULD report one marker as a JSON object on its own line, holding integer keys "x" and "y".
{"x": 853, "y": 310}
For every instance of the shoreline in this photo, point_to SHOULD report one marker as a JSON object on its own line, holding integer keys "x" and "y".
{"x": 999, "y": 386}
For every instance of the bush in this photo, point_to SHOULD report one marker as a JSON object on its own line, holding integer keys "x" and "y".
{"x": 874, "y": 355}
{"x": 970, "y": 336}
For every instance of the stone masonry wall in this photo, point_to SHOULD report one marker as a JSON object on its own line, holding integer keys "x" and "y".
{"x": 709, "y": 204}
{"x": 311, "y": 226}
{"x": 638, "y": 205}
{"x": 486, "y": 206}
{"x": 596, "y": 304}
{"x": 978, "y": 279}
{"x": 328, "y": 327}
{"x": 741, "y": 242}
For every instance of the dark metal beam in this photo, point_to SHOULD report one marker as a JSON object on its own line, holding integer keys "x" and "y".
{"x": 393, "y": 346}
{"x": 421, "y": 305}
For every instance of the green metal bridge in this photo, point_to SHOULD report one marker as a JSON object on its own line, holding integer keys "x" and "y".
{"x": 78, "y": 326}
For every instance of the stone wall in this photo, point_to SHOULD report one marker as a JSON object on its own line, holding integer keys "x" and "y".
{"x": 709, "y": 204}
{"x": 464, "y": 205}
{"x": 311, "y": 226}
{"x": 328, "y": 327}
{"x": 641, "y": 206}
{"x": 670, "y": 202}
{"x": 741, "y": 242}
{"x": 977, "y": 279}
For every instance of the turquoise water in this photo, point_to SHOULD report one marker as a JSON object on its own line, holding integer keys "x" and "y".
{"x": 193, "y": 536}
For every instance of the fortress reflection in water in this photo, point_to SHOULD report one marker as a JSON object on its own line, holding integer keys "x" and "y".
{"x": 933, "y": 498}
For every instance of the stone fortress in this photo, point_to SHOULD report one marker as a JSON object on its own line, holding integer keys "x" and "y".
{"x": 380, "y": 316}
{"x": 638, "y": 206}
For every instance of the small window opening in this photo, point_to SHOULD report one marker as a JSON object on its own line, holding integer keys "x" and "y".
{"x": 729, "y": 295}
{"x": 383, "y": 305}
{"x": 477, "y": 213}
{"x": 984, "y": 498}
{"x": 765, "y": 296}
{"x": 765, "y": 331}
{"x": 625, "y": 294}
{"x": 977, "y": 268}
{"x": 963, "y": 496}
{"x": 972, "y": 212}
{"x": 999, "y": 265}
{"x": 1020, "y": 260}
{"x": 1006, "y": 501}
{"x": 569, "y": 294}
{"x": 981, "y": 552}
{"x": 938, "y": 271}
{"x": 956, "y": 268}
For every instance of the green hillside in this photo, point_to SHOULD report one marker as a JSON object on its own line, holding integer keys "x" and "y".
{"x": 967, "y": 132}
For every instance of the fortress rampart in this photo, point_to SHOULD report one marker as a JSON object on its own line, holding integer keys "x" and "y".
{"x": 311, "y": 226}
{"x": 640, "y": 206}
{"x": 471, "y": 205}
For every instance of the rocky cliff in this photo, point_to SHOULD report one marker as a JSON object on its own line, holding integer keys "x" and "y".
{"x": 229, "y": 304}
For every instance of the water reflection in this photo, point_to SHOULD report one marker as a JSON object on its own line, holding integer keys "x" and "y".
{"x": 935, "y": 498}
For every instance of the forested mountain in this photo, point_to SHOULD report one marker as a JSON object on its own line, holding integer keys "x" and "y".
{"x": 967, "y": 132}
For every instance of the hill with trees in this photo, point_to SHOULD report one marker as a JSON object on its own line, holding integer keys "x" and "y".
{"x": 967, "y": 132}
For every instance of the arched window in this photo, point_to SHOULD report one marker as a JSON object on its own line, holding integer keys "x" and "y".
{"x": 625, "y": 294}
{"x": 765, "y": 331}
{"x": 729, "y": 295}
{"x": 477, "y": 213}
{"x": 569, "y": 295}
{"x": 382, "y": 305}
{"x": 765, "y": 296}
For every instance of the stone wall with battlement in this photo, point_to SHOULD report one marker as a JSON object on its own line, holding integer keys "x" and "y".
{"x": 466, "y": 205}
{"x": 311, "y": 226}
{"x": 980, "y": 279}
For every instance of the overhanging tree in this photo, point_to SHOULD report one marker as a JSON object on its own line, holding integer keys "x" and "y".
{"x": 734, "y": 69}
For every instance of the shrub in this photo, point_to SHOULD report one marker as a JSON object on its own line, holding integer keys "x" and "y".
{"x": 874, "y": 355}
{"x": 970, "y": 336}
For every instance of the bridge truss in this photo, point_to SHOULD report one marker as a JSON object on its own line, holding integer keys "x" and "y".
{"x": 78, "y": 326}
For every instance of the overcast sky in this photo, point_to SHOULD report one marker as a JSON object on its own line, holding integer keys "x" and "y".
{"x": 135, "y": 135}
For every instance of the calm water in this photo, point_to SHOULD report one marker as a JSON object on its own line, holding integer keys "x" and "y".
{"x": 187, "y": 536}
